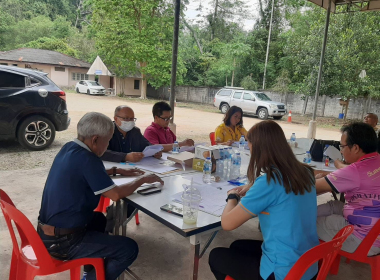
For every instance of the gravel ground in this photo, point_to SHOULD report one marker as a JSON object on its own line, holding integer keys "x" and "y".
{"x": 193, "y": 121}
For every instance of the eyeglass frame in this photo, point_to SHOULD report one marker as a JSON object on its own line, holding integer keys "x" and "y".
{"x": 127, "y": 119}
{"x": 165, "y": 119}
{"x": 342, "y": 146}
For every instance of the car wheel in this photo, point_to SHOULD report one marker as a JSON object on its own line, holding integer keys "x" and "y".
{"x": 36, "y": 133}
{"x": 77, "y": 90}
{"x": 277, "y": 117}
{"x": 88, "y": 91}
{"x": 262, "y": 113}
{"x": 224, "y": 108}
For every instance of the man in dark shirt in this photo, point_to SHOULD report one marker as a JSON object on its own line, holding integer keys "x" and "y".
{"x": 127, "y": 142}
{"x": 67, "y": 223}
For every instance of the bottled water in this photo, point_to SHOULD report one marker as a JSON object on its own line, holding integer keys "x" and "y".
{"x": 207, "y": 171}
{"x": 326, "y": 159}
{"x": 235, "y": 168}
{"x": 219, "y": 169}
{"x": 222, "y": 160}
{"x": 293, "y": 139}
{"x": 175, "y": 149}
{"x": 307, "y": 158}
{"x": 226, "y": 157}
{"x": 241, "y": 143}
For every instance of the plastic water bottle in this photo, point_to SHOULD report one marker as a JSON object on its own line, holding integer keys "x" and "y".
{"x": 235, "y": 168}
{"x": 207, "y": 171}
{"x": 226, "y": 157}
{"x": 241, "y": 143}
{"x": 293, "y": 140}
{"x": 326, "y": 159}
{"x": 307, "y": 158}
{"x": 219, "y": 169}
{"x": 175, "y": 149}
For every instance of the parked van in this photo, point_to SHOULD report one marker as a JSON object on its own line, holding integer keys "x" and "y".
{"x": 251, "y": 102}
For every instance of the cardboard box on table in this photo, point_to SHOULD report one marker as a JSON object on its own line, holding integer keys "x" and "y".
{"x": 202, "y": 152}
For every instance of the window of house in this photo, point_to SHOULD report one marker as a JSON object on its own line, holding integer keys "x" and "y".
{"x": 79, "y": 76}
{"x": 10, "y": 80}
{"x": 3, "y": 63}
{"x": 225, "y": 92}
{"x": 14, "y": 64}
{"x": 137, "y": 84}
{"x": 59, "y": 69}
{"x": 237, "y": 95}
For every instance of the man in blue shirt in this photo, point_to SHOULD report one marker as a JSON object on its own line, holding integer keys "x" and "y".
{"x": 68, "y": 225}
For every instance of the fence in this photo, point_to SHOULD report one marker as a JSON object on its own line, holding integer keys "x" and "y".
{"x": 326, "y": 106}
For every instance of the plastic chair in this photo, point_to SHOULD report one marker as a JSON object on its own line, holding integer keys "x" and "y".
{"x": 212, "y": 138}
{"x": 105, "y": 202}
{"x": 325, "y": 252}
{"x": 32, "y": 258}
{"x": 361, "y": 254}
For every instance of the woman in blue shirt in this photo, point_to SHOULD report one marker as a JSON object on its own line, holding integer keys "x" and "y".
{"x": 282, "y": 194}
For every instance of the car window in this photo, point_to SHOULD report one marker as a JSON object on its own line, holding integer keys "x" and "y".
{"x": 247, "y": 96}
{"x": 225, "y": 92}
{"x": 93, "y": 83}
{"x": 237, "y": 94}
{"x": 11, "y": 80}
{"x": 34, "y": 81}
{"x": 81, "y": 82}
{"x": 262, "y": 96}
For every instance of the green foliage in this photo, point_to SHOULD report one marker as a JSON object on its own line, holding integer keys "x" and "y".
{"x": 282, "y": 83}
{"x": 53, "y": 44}
{"x": 136, "y": 36}
{"x": 249, "y": 83}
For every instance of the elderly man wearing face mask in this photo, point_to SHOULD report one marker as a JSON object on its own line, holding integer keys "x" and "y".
{"x": 127, "y": 142}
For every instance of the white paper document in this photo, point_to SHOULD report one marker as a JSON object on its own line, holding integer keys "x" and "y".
{"x": 333, "y": 153}
{"x": 152, "y": 150}
{"x": 213, "y": 197}
{"x": 159, "y": 168}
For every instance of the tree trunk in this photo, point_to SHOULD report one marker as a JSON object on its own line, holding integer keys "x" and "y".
{"x": 144, "y": 82}
{"x": 226, "y": 81}
{"x": 233, "y": 74}
{"x": 194, "y": 35}
{"x": 346, "y": 109}
{"x": 305, "y": 105}
{"x": 213, "y": 23}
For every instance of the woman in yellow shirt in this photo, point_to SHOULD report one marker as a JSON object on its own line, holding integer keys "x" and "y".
{"x": 232, "y": 127}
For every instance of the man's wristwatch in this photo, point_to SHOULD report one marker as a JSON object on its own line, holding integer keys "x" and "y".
{"x": 114, "y": 171}
{"x": 233, "y": 196}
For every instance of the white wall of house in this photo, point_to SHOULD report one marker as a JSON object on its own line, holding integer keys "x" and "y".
{"x": 76, "y": 74}
{"x": 59, "y": 75}
{"x": 105, "y": 81}
{"x": 127, "y": 86}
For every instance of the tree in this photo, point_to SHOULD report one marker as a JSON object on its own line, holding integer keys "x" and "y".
{"x": 136, "y": 36}
{"x": 53, "y": 44}
{"x": 249, "y": 83}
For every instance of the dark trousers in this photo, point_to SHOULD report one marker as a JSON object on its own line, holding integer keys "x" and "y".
{"x": 119, "y": 252}
{"x": 241, "y": 261}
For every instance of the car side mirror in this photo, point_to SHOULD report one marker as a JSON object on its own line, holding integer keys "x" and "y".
{"x": 253, "y": 99}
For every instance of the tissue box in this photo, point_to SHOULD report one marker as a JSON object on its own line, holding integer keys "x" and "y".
{"x": 202, "y": 152}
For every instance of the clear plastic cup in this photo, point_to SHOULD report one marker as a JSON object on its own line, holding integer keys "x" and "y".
{"x": 191, "y": 197}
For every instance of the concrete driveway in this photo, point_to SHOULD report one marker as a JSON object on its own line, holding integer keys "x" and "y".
{"x": 164, "y": 254}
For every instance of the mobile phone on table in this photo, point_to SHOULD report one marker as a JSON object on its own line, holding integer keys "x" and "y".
{"x": 150, "y": 190}
{"x": 170, "y": 208}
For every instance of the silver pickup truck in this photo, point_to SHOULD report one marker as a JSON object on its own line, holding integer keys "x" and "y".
{"x": 251, "y": 102}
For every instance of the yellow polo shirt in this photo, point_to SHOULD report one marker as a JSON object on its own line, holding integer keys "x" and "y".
{"x": 224, "y": 133}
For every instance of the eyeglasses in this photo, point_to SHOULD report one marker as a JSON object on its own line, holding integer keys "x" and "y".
{"x": 342, "y": 146}
{"x": 166, "y": 119}
{"x": 127, "y": 119}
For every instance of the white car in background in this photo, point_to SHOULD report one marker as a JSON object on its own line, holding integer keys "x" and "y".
{"x": 89, "y": 87}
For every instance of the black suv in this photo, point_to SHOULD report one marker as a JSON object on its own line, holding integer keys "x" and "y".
{"x": 32, "y": 107}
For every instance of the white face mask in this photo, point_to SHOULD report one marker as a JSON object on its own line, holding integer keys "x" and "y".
{"x": 127, "y": 126}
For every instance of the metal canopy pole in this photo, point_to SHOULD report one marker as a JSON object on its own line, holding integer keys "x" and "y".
{"x": 174, "y": 60}
{"x": 313, "y": 124}
{"x": 269, "y": 35}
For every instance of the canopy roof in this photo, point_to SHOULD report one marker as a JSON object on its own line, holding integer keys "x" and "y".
{"x": 343, "y": 6}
